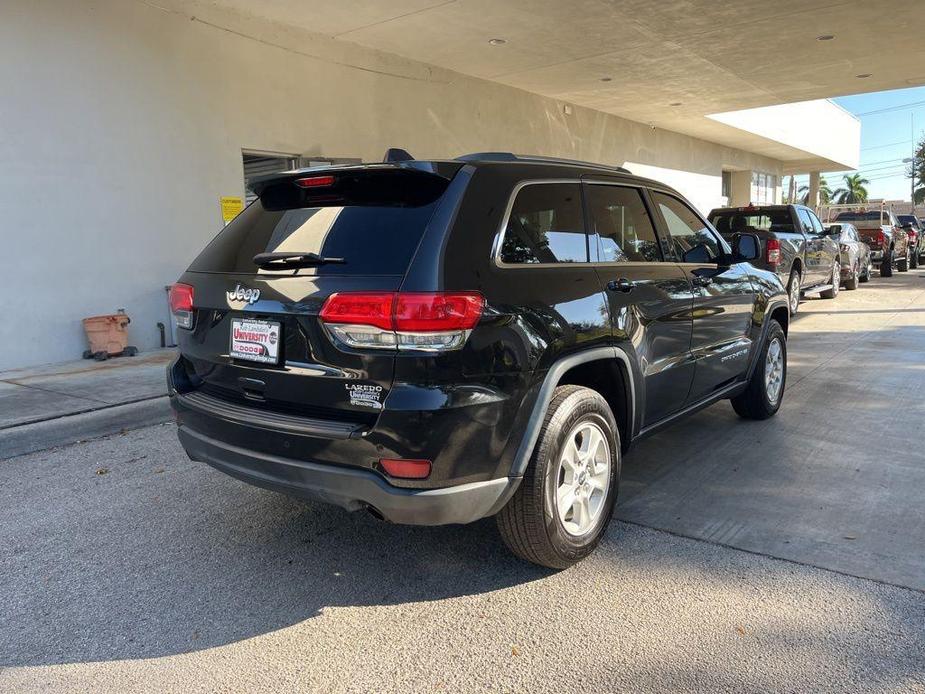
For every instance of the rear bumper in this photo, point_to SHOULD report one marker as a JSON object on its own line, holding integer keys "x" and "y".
{"x": 351, "y": 488}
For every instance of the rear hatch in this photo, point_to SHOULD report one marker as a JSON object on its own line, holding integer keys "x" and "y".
{"x": 256, "y": 339}
{"x": 868, "y": 224}
{"x": 763, "y": 223}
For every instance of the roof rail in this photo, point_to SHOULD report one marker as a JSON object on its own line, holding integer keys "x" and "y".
{"x": 510, "y": 156}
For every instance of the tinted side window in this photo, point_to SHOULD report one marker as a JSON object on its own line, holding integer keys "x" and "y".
{"x": 805, "y": 220}
{"x": 619, "y": 217}
{"x": 546, "y": 226}
{"x": 692, "y": 240}
{"x": 814, "y": 220}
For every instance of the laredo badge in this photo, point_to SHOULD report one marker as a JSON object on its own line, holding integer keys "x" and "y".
{"x": 364, "y": 395}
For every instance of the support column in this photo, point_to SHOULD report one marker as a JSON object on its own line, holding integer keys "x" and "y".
{"x": 813, "y": 190}
{"x": 740, "y": 188}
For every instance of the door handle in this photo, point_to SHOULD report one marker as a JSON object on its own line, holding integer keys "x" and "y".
{"x": 621, "y": 285}
{"x": 699, "y": 281}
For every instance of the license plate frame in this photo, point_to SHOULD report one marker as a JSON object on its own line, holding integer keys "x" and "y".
{"x": 255, "y": 339}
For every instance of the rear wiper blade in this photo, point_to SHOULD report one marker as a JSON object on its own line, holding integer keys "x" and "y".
{"x": 292, "y": 260}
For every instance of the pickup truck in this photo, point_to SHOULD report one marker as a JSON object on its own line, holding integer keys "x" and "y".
{"x": 793, "y": 245}
{"x": 916, "y": 230}
{"x": 881, "y": 230}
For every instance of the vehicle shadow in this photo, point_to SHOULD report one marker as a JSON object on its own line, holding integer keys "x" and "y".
{"x": 170, "y": 556}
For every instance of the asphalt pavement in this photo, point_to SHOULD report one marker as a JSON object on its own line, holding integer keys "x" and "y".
{"x": 750, "y": 557}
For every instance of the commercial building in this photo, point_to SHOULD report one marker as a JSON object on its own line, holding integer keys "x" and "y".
{"x": 125, "y": 124}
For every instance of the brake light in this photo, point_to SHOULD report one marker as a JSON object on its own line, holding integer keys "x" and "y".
{"x": 374, "y": 309}
{"x": 181, "y": 304}
{"x": 406, "y": 469}
{"x": 773, "y": 252}
{"x": 315, "y": 182}
{"x": 881, "y": 238}
{"x": 431, "y": 321}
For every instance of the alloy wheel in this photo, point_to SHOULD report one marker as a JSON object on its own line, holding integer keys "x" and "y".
{"x": 582, "y": 478}
{"x": 794, "y": 294}
{"x": 774, "y": 371}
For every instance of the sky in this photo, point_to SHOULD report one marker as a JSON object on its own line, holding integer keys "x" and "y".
{"x": 888, "y": 120}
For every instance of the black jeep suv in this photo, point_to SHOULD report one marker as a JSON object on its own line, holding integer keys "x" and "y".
{"x": 441, "y": 341}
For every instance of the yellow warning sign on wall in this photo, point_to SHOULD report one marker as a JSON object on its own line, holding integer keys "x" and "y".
{"x": 231, "y": 207}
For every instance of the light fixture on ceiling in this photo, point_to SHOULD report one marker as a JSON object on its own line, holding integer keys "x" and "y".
{"x": 606, "y": 79}
{"x": 497, "y": 42}
{"x": 864, "y": 76}
{"x": 825, "y": 37}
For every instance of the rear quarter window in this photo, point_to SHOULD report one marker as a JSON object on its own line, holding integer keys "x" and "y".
{"x": 546, "y": 225}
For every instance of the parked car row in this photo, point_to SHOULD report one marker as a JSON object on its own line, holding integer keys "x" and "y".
{"x": 812, "y": 257}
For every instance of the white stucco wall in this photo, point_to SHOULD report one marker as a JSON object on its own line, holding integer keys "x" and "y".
{"x": 122, "y": 124}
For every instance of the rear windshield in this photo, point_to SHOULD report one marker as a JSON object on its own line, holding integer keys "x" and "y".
{"x": 373, "y": 236}
{"x": 764, "y": 220}
{"x": 908, "y": 219}
{"x": 862, "y": 217}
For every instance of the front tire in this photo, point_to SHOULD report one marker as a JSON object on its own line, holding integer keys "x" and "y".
{"x": 914, "y": 259}
{"x": 903, "y": 263}
{"x": 866, "y": 276}
{"x": 762, "y": 397}
{"x": 566, "y": 499}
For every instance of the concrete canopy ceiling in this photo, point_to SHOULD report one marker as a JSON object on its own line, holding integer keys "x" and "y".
{"x": 705, "y": 55}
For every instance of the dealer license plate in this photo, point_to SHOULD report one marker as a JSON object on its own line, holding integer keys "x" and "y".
{"x": 255, "y": 340}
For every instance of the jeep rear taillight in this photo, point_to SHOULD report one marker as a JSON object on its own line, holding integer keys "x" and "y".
{"x": 181, "y": 304}
{"x": 881, "y": 238}
{"x": 773, "y": 252}
{"x": 407, "y": 321}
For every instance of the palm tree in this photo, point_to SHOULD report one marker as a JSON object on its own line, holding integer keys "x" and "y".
{"x": 916, "y": 172}
{"x": 825, "y": 193}
{"x": 854, "y": 190}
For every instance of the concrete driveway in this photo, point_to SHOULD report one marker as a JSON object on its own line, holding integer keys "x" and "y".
{"x": 127, "y": 568}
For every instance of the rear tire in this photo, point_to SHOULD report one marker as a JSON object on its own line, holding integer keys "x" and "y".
{"x": 886, "y": 265}
{"x": 914, "y": 260}
{"x": 793, "y": 291}
{"x": 762, "y": 397}
{"x": 852, "y": 283}
{"x": 531, "y": 524}
{"x": 836, "y": 283}
{"x": 903, "y": 263}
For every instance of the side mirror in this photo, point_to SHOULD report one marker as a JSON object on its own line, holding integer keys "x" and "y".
{"x": 746, "y": 247}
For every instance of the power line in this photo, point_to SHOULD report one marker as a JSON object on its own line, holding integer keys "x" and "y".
{"x": 890, "y": 109}
{"x": 882, "y": 161}
{"x": 891, "y": 144}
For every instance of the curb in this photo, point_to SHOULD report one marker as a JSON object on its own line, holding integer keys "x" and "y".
{"x": 62, "y": 431}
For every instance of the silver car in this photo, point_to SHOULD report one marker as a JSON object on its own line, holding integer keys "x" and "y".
{"x": 855, "y": 254}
